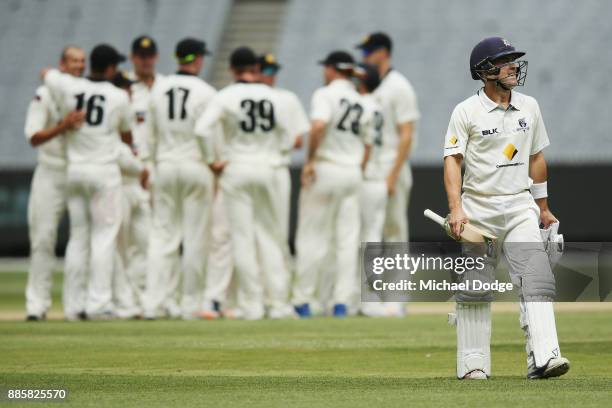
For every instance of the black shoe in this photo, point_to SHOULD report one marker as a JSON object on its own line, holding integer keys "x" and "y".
{"x": 33, "y": 318}
{"x": 82, "y": 316}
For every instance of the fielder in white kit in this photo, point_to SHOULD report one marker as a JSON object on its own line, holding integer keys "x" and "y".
{"x": 94, "y": 181}
{"x": 400, "y": 111}
{"x": 253, "y": 123}
{"x": 183, "y": 185}
{"x": 45, "y": 129}
{"x": 328, "y": 221}
{"x": 500, "y": 134}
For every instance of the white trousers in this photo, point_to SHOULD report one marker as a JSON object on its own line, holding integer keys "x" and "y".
{"x": 261, "y": 276}
{"x": 514, "y": 219}
{"x": 94, "y": 206}
{"x": 132, "y": 245}
{"x": 220, "y": 262}
{"x": 329, "y": 223}
{"x": 396, "y": 214}
{"x": 182, "y": 200}
{"x": 47, "y": 204}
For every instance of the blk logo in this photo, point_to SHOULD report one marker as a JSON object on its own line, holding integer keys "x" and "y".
{"x": 488, "y": 132}
{"x": 522, "y": 122}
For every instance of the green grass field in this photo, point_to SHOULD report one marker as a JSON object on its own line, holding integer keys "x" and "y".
{"x": 355, "y": 362}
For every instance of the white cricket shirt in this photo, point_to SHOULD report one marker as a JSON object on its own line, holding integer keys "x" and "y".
{"x": 107, "y": 113}
{"x": 496, "y": 143}
{"x": 252, "y": 121}
{"x": 177, "y": 101}
{"x": 399, "y": 105}
{"x": 341, "y": 108}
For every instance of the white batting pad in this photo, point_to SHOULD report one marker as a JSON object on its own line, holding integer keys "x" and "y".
{"x": 473, "y": 338}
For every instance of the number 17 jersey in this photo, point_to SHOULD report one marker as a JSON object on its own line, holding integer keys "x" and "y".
{"x": 176, "y": 103}
{"x": 252, "y": 119}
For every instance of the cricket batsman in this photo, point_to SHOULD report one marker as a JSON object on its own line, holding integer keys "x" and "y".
{"x": 45, "y": 130}
{"x": 500, "y": 135}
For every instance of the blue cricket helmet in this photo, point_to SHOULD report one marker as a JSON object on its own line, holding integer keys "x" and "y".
{"x": 487, "y": 51}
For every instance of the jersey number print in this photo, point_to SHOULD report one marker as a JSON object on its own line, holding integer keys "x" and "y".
{"x": 259, "y": 114}
{"x": 172, "y": 96}
{"x": 94, "y": 108}
{"x": 352, "y": 115}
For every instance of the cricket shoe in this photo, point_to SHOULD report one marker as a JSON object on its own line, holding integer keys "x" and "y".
{"x": 340, "y": 310}
{"x": 303, "y": 310}
{"x": 211, "y": 311}
{"x": 555, "y": 367}
{"x": 475, "y": 375}
{"x": 35, "y": 318}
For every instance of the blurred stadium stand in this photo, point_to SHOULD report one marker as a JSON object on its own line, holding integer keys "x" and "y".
{"x": 566, "y": 47}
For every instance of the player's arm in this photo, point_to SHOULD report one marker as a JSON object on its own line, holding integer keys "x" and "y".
{"x": 317, "y": 133}
{"x": 406, "y": 112}
{"x": 405, "y": 131}
{"x": 452, "y": 185}
{"x": 206, "y": 128}
{"x": 538, "y": 172}
{"x": 71, "y": 121}
{"x": 455, "y": 145}
{"x": 320, "y": 115}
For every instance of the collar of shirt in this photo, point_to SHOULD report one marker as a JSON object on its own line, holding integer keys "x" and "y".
{"x": 341, "y": 82}
{"x": 179, "y": 72}
{"x": 490, "y": 106}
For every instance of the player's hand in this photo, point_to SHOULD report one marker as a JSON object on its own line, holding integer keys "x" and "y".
{"x": 217, "y": 167}
{"x": 391, "y": 183}
{"x": 308, "y": 174}
{"x": 144, "y": 179}
{"x": 456, "y": 219}
{"x": 547, "y": 218}
{"x": 73, "y": 120}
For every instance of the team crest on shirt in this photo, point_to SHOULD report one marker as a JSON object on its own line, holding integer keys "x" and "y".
{"x": 140, "y": 116}
{"x": 522, "y": 125}
{"x": 453, "y": 140}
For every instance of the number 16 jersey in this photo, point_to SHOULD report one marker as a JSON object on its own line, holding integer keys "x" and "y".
{"x": 107, "y": 113}
{"x": 252, "y": 119}
{"x": 176, "y": 103}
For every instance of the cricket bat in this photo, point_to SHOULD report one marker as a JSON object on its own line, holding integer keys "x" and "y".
{"x": 469, "y": 233}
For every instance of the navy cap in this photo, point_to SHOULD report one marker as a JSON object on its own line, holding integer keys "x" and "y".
{"x": 489, "y": 50}
{"x": 268, "y": 64}
{"x": 188, "y": 49}
{"x": 375, "y": 41}
{"x": 103, "y": 56}
{"x": 144, "y": 45}
{"x": 341, "y": 60}
{"x": 243, "y": 57}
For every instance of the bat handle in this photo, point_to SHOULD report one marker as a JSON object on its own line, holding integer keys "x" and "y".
{"x": 434, "y": 217}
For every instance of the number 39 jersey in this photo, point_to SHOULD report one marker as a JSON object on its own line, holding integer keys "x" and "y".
{"x": 176, "y": 103}
{"x": 252, "y": 120}
{"x": 107, "y": 112}
{"x": 341, "y": 108}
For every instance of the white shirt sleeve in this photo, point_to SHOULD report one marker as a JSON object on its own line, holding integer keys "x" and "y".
{"x": 57, "y": 82}
{"x": 366, "y": 125}
{"x": 405, "y": 104}
{"x": 37, "y": 116}
{"x": 540, "y": 136}
{"x": 321, "y": 107}
{"x": 208, "y": 125}
{"x": 126, "y": 116}
{"x": 299, "y": 119}
{"x": 457, "y": 135}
